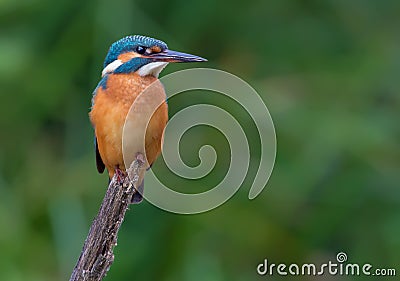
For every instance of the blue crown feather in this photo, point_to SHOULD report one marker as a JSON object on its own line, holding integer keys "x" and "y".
{"x": 129, "y": 43}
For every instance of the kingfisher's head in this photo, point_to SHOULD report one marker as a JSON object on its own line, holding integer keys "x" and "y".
{"x": 143, "y": 55}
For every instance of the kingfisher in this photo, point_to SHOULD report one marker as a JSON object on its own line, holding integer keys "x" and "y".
{"x": 132, "y": 65}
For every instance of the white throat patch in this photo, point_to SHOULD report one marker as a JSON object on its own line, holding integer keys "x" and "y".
{"x": 111, "y": 67}
{"x": 153, "y": 68}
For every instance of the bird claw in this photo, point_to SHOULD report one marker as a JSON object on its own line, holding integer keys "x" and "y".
{"x": 120, "y": 175}
{"x": 140, "y": 158}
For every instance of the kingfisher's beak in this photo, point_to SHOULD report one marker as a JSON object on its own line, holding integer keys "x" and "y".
{"x": 173, "y": 56}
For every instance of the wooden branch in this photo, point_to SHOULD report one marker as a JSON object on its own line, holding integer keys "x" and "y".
{"x": 97, "y": 253}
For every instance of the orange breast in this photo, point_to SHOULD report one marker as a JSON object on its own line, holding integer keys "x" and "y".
{"x": 109, "y": 115}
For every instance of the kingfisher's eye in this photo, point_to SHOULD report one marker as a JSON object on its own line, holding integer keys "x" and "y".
{"x": 140, "y": 50}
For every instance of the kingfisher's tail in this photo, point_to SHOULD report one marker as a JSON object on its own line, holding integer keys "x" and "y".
{"x": 138, "y": 195}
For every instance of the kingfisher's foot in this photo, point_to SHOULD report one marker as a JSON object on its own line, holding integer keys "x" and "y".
{"x": 140, "y": 157}
{"x": 120, "y": 175}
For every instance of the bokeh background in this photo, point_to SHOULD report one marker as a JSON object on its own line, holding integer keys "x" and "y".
{"x": 329, "y": 74}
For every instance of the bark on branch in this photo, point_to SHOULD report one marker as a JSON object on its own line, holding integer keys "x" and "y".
{"x": 97, "y": 253}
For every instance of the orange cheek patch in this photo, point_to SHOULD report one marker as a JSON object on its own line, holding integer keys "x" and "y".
{"x": 155, "y": 49}
{"x": 125, "y": 57}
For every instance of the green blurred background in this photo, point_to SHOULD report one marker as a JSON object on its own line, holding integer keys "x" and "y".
{"x": 329, "y": 74}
